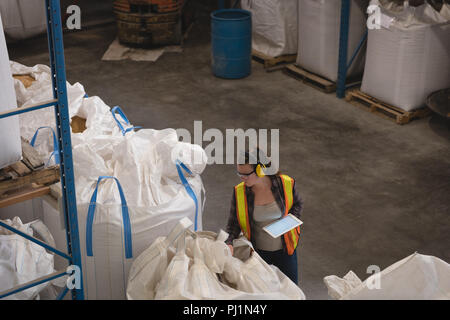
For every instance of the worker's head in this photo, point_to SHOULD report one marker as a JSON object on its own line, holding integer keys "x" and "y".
{"x": 251, "y": 165}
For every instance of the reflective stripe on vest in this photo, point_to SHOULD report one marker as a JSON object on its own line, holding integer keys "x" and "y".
{"x": 290, "y": 238}
{"x": 242, "y": 209}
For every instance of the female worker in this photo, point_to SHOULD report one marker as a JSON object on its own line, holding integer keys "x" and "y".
{"x": 258, "y": 201}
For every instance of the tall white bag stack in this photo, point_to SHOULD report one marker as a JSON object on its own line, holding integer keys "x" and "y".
{"x": 120, "y": 222}
{"x": 10, "y": 146}
{"x": 23, "y": 18}
{"x": 274, "y": 26}
{"x": 318, "y": 36}
{"x": 408, "y": 57}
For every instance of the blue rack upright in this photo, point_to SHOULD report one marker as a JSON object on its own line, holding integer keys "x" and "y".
{"x": 61, "y": 106}
{"x": 343, "y": 66}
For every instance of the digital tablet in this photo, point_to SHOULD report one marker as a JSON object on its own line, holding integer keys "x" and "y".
{"x": 282, "y": 226}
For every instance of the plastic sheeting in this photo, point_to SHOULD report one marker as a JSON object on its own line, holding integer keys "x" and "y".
{"x": 274, "y": 24}
{"x": 11, "y": 149}
{"x": 200, "y": 266}
{"x": 23, "y": 18}
{"x": 408, "y": 58}
{"x": 21, "y": 260}
{"x": 318, "y": 36}
{"x": 417, "y": 277}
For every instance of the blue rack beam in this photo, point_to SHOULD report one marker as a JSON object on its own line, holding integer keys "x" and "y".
{"x": 63, "y": 293}
{"x": 34, "y": 107}
{"x": 42, "y": 244}
{"x": 33, "y": 283}
{"x": 358, "y": 48}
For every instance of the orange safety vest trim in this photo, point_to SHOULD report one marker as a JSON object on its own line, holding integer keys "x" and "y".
{"x": 291, "y": 238}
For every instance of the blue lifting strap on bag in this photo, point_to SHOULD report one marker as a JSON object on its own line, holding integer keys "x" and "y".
{"x": 188, "y": 187}
{"x": 55, "y": 152}
{"x": 125, "y": 218}
{"x": 125, "y": 119}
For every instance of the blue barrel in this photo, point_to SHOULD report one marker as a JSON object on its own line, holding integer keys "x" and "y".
{"x": 231, "y": 43}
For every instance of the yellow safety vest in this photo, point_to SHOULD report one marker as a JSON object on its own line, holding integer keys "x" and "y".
{"x": 291, "y": 238}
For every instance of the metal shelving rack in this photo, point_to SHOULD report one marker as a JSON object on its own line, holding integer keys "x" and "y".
{"x": 60, "y": 103}
{"x": 343, "y": 49}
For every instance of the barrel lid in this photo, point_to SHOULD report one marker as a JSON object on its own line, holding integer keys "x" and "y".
{"x": 231, "y": 14}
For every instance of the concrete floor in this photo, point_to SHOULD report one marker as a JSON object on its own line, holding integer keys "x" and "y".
{"x": 374, "y": 192}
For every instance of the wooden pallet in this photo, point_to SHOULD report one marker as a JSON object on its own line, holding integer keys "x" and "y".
{"x": 270, "y": 62}
{"x": 310, "y": 79}
{"x": 400, "y": 116}
{"x": 27, "y": 178}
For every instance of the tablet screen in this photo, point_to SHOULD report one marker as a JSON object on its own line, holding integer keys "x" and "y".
{"x": 282, "y": 226}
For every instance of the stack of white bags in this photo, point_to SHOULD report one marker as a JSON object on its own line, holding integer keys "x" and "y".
{"x": 408, "y": 57}
{"x": 23, "y": 18}
{"x": 274, "y": 26}
{"x": 129, "y": 189}
{"x": 192, "y": 266}
{"x": 319, "y": 34}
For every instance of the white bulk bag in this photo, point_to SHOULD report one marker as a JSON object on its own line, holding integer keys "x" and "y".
{"x": 23, "y": 18}
{"x": 319, "y": 33}
{"x": 203, "y": 270}
{"x": 149, "y": 267}
{"x": 38, "y": 92}
{"x": 113, "y": 232}
{"x": 445, "y": 11}
{"x": 274, "y": 26}
{"x": 196, "y": 280}
{"x": 22, "y": 260}
{"x": 192, "y": 155}
{"x": 408, "y": 59}
{"x": 197, "y": 267}
{"x": 417, "y": 277}
{"x": 10, "y": 145}
{"x": 250, "y": 274}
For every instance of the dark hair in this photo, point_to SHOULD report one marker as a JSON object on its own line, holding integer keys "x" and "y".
{"x": 257, "y": 156}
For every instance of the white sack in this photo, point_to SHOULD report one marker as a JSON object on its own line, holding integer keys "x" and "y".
{"x": 150, "y": 266}
{"x": 10, "y": 145}
{"x": 198, "y": 269}
{"x": 39, "y": 92}
{"x": 410, "y": 58}
{"x": 445, "y": 11}
{"x": 274, "y": 26}
{"x": 319, "y": 32}
{"x": 22, "y": 261}
{"x": 192, "y": 155}
{"x": 339, "y": 287}
{"x": 417, "y": 277}
{"x": 147, "y": 224}
{"x": 23, "y": 18}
